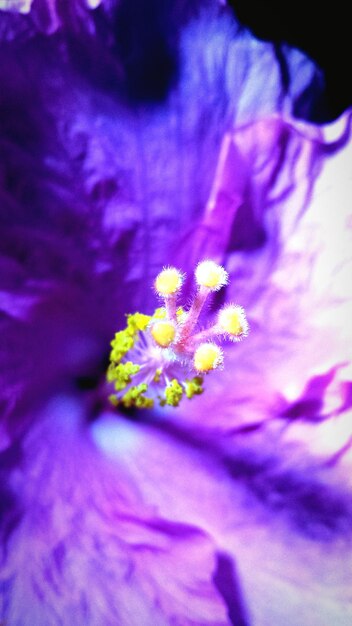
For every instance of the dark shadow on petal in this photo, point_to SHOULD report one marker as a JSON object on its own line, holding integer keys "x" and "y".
{"x": 10, "y": 510}
{"x": 10, "y": 516}
{"x": 247, "y": 233}
{"x": 227, "y": 582}
{"x": 134, "y": 52}
{"x": 309, "y": 406}
{"x": 308, "y": 410}
{"x": 319, "y": 510}
{"x": 145, "y": 48}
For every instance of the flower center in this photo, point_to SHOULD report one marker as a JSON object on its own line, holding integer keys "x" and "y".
{"x": 161, "y": 358}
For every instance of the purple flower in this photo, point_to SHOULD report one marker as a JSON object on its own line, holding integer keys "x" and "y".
{"x": 234, "y": 508}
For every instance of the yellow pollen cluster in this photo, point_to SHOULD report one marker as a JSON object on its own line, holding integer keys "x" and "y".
{"x": 232, "y": 320}
{"x": 163, "y": 333}
{"x": 207, "y": 357}
{"x": 211, "y": 275}
{"x": 168, "y": 282}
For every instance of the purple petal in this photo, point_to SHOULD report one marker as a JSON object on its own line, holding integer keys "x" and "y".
{"x": 237, "y": 508}
{"x": 284, "y": 525}
{"x": 96, "y": 194}
{"x": 85, "y": 529}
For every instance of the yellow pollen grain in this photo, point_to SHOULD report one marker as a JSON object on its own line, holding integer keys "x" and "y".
{"x": 207, "y": 357}
{"x": 163, "y": 333}
{"x": 168, "y": 281}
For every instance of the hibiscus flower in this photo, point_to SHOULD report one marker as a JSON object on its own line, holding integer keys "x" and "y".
{"x": 235, "y": 507}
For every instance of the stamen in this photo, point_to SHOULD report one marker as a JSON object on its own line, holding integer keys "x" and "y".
{"x": 211, "y": 275}
{"x": 152, "y": 358}
{"x": 232, "y": 320}
{"x": 207, "y": 357}
{"x": 163, "y": 333}
{"x": 168, "y": 282}
{"x": 193, "y": 314}
{"x": 170, "y": 305}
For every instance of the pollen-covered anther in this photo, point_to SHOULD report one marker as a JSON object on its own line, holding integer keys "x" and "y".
{"x": 211, "y": 275}
{"x": 163, "y": 333}
{"x": 168, "y": 282}
{"x": 208, "y": 356}
{"x": 232, "y": 320}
